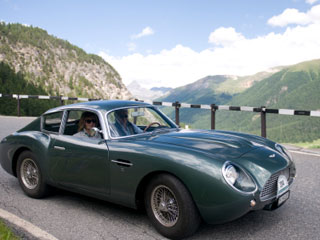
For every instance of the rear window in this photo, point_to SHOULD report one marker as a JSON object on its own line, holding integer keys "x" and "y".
{"x": 52, "y": 122}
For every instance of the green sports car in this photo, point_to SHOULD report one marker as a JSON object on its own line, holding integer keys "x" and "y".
{"x": 130, "y": 153}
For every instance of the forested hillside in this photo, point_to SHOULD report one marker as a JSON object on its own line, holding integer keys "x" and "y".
{"x": 56, "y": 66}
{"x": 15, "y": 83}
{"x": 294, "y": 87}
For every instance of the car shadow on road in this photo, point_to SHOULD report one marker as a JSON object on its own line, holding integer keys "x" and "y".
{"x": 99, "y": 216}
{"x": 257, "y": 223}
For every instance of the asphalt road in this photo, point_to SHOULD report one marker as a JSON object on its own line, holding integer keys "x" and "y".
{"x": 71, "y": 216}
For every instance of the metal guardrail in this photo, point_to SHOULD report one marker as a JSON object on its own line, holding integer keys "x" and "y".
{"x": 177, "y": 105}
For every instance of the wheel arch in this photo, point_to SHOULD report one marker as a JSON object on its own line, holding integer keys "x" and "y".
{"x": 139, "y": 196}
{"x": 15, "y": 159}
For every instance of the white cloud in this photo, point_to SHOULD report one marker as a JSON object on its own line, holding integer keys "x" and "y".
{"x": 233, "y": 54}
{"x": 145, "y": 32}
{"x": 131, "y": 46}
{"x": 311, "y": 1}
{"x": 293, "y": 16}
{"x": 225, "y": 36}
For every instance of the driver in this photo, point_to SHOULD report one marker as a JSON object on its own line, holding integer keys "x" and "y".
{"x": 123, "y": 125}
{"x": 87, "y": 121}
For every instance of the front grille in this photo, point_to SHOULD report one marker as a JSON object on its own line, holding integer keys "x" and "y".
{"x": 270, "y": 188}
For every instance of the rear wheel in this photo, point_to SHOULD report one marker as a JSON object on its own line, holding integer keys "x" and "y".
{"x": 30, "y": 176}
{"x": 170, "y": 207}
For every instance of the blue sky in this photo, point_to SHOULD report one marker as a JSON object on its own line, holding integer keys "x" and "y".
{"x": 175, "y": 42}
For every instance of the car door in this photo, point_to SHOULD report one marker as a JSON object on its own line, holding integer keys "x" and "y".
{"x": 79, "y": 163}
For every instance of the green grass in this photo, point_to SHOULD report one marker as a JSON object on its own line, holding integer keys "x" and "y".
{"x": 310, "y": 145}
{"x": 6, "y": 233}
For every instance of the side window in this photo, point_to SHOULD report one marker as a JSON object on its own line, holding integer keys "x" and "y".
{"x": 52, "y": 122}
{"x": 74, "y": 123}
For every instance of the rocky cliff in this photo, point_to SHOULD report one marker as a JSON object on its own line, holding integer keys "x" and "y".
{"x": 58, "y": 66}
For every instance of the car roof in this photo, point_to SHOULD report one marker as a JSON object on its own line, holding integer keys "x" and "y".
{"x": 105, "y": 105}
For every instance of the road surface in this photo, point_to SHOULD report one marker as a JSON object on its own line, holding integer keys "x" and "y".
{"x": 71, "y": 216}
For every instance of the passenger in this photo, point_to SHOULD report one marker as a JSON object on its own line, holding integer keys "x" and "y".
{"x": 123, "y": 125}
{"x": 87, "y": 121}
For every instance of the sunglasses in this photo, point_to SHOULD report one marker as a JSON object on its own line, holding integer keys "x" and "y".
{"x": 90, "y": 121}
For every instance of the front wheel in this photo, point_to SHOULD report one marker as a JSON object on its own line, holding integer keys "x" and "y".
{"x": 170, "y": 207}
{"x": 30, "y": 176}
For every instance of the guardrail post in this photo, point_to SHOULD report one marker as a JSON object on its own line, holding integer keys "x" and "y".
{"x": 61, "y": 101}
{"x": 263, "y": 122}
{"x": 18, "y": 105}
{"x": 177, "y": 106}
{"x": 213, "y": 117}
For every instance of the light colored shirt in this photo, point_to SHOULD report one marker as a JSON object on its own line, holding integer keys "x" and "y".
{"x": 119, "y": 130}
{"x": 84, "y": 133}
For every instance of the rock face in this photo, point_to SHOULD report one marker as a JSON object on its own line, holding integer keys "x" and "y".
{"x": 58, "y": 66}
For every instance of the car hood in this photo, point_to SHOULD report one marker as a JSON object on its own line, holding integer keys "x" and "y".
{"x": 228, "y": 144}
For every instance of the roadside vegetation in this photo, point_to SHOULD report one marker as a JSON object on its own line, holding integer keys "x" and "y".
{"x": 15, "y": 83}
{"x": 310, "y": 145}
{"x": 294, "y": 87}
{"x": 6, "y": 233}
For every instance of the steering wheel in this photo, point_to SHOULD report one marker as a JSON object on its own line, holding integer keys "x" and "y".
{"x": 153, "y": 123}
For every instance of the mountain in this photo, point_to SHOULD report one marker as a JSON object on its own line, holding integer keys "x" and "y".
{"x": 217, "y": 89}
{"x": 237, "y": 84}
{"x": 146, "y": 94}
{"x": 291, "y": 87}
{"x": 15, "y": 83}
{"x": 57, "y": 66}
{"x": 164, "y": 90}
{"x": 201, "y": 91}
{"x": 294, "y": 87}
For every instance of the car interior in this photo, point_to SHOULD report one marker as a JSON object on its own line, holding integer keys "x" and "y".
{"x": 72, "y": 124}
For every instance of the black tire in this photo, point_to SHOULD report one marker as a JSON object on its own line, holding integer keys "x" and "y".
{"x": 176, "y": 216}
{"x": 30, "y": 176}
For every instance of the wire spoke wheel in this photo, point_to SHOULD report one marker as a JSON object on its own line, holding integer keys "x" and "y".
{"x": 29, "y": 173}
{"x": 165, "y": 206}
{"x": 170, "y": 207}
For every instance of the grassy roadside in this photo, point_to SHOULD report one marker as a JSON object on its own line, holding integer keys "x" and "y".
{"x": 6, "y": 233}
{"x": 310, "y": 145}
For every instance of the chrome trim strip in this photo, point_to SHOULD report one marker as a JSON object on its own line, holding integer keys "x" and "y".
{"x": 63, "y": 122}
{"x": 129, "y": 164}
{"x": 59, "y": 148}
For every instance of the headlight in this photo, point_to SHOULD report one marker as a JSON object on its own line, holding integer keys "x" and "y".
{"x": 231, "y": 174}
{"x": 281, "y": 149}
{"x": 238, "y": 179}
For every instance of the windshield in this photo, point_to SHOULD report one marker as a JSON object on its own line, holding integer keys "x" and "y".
{"x": 136, "y": 120}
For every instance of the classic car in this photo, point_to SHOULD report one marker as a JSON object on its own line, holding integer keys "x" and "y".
{"x": 180, "y": 177}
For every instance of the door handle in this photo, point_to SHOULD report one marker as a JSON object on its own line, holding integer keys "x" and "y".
{"x": 123, "y": 163}
{"x": 59, "y": 148}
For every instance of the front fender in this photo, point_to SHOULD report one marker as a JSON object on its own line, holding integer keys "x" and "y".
{"x": 195, "y": 169}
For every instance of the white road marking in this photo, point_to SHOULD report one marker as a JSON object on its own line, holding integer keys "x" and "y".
{"x": 305, "y": 153}
{"x": 26, "y": 226}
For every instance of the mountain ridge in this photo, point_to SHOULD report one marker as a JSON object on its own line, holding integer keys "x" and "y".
{"x": 292, "y": 87}
{"x": 142, "y": 93}
{"x": 58, "y": 66}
